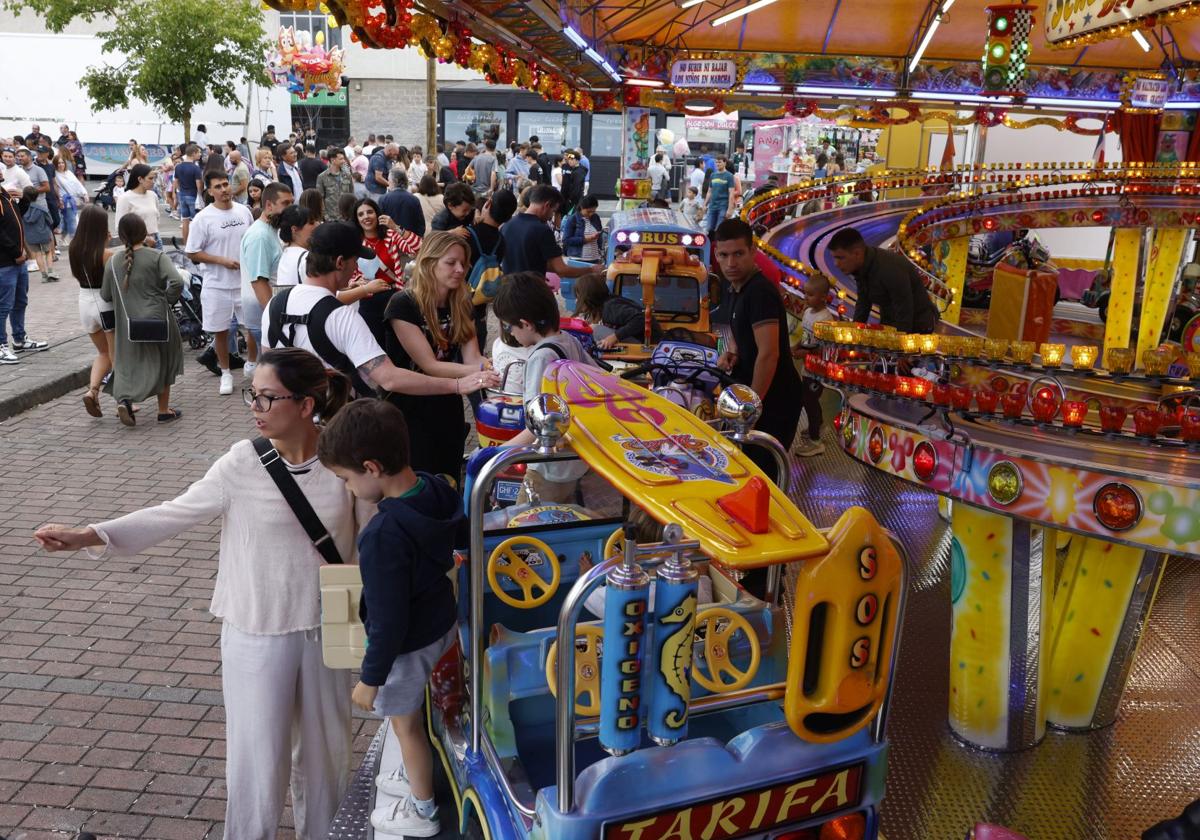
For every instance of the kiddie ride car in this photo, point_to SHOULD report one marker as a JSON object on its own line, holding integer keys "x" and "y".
{"x": 746, "y": 717}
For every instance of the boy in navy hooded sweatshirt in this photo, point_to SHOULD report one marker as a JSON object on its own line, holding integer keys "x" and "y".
{"x": 404, "y": 554}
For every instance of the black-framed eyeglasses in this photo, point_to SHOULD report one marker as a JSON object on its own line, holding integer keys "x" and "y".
{"x": 263, "y": 402}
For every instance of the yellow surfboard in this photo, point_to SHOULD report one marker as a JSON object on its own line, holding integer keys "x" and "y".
{"x": 669, "y": 462}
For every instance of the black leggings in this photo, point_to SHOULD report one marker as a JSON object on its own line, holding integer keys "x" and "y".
{"x": 810, "y": 397}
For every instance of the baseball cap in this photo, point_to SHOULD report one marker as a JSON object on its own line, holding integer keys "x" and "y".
{"x": 338, "y": 239}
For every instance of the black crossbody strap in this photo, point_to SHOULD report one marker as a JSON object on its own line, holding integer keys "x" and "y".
{"x": 294, "y": 496}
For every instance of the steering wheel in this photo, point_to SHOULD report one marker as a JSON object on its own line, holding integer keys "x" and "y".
{"x": 505, "y": 562}
{"x": 615, "y": 544}
{"x": 587, "y": 669}
{"x": 716, "y": 650}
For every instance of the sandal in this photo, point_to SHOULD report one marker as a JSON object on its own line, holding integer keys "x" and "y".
{"x": 171, "y": 414}
{"x": 91, "y": 402}
{"x": 125, "y": 412}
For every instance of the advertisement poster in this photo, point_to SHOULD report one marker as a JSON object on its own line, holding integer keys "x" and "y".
{"x": 1172, "y": 146}
{"x": 1072, "y": 18}
{"x": 635, "y": 153}
{"x": 768, "y": 145}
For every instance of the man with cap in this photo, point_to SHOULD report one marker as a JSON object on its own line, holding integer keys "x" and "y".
{"x": 311, "y": 316}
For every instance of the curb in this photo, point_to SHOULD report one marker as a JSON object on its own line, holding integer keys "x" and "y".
{"x": 56, "y": 383}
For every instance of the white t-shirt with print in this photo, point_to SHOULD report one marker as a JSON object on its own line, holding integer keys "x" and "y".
{"x": 344, "y": 326}
{"x": 219, "y": 233}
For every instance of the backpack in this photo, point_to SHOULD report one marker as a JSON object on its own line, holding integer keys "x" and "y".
{"x": 484, "y": 281}
{"x": 315, "y": 322}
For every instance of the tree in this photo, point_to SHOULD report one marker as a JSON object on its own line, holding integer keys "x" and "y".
{"x": 174, "y": 54}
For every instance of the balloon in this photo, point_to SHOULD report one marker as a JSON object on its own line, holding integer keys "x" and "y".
{"x": 681, "y": 147}
{"x": 320, "y": 37}
{"x": 666, "y": 136}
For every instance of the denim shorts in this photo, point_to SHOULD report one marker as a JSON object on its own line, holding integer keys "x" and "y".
{"x": 187, "y": 206}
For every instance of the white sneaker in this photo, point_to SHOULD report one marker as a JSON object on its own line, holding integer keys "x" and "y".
{"x": 226, "y": 383}
{"x": 394, "y": 783}
{"x": 808, "y": 448}
{"x": 7, "y": 356}
{"x": 402, "y": 819}
{"x": 248, "y": 370}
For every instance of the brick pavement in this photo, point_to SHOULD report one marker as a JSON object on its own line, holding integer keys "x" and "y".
{"x": 110, "y": 702}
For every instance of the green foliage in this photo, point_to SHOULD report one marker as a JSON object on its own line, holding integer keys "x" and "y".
{"x": 172, "y": 54}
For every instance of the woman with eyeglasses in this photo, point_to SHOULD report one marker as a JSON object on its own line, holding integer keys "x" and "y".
{"x": 278, "y": 695}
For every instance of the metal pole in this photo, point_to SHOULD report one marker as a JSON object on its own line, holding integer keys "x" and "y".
{"x": 430, "y": 107}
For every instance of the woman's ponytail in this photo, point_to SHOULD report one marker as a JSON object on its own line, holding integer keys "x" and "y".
{"x": 132, "y": 231}
{"x": 301, "y": 372}
{"x": 338, "y": 391}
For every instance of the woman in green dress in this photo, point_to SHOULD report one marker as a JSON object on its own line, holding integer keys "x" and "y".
{"x": 142, "y": 283}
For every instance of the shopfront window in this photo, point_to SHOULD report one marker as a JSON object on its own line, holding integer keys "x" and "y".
{"x": 606, "y": 135}
{"x": 475, "y": 126}
{"x": 555, "y": 131}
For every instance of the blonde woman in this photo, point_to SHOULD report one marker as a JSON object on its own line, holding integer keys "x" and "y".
{"x": 264, "y": 166}
{"x": 432, "y": 331}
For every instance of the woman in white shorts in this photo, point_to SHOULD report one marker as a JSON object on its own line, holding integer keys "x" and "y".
{"x": 88, "y": 255}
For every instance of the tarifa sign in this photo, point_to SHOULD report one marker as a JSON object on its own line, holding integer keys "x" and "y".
{"x": 1068, "y": 20}
{"x": 707, "y": 73}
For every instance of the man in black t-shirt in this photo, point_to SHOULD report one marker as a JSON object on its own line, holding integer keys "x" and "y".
{"x": 759, "y": 355}
{"x": 529, "y": 242}
{"x": 311, "y": 166}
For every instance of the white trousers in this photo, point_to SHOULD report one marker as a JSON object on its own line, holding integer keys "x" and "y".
{"x": 287, "y": 716}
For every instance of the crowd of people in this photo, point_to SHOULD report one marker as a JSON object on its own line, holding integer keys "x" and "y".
{"x": 365, "y": 320}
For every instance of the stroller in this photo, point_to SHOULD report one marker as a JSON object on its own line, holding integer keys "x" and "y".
{"x": 104, "y": 195}
{"x": 187, "y": 309}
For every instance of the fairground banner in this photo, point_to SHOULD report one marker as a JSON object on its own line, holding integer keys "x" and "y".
{"x": 1068, "y": 20}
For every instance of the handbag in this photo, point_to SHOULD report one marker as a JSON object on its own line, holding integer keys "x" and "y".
{"x": 143, "y": 330}
{"x": 343, "y": 637}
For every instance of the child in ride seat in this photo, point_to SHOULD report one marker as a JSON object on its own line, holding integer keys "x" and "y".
{"x": 595, "y": 303}
{"x": 528, "y": 312}
{"x": 404, "y": 553}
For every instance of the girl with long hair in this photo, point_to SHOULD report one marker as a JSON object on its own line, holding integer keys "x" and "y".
{"x": 432, "y": 330}
{"x": 314, "y": 202}
{"x": 296, "y": 225}
{"x": 392, "y": 246}
{"x": 280, "y": 699}
{"x": 88, "y": 254}
{"x": 431, "y": 199}
{"x": 142, "y": 284}
{"x": 139, "y": 198}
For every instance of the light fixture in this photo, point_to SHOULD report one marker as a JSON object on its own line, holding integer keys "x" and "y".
{"x": 1094, "y": 104}
{"x": 593, "y": 55}
{"x": 745, "y": 10}
{"x": 650, "y": 83}
{"x": 763, "y": 88}
{"x": 575, "y": 37}
{"x": 963, "y": 97}
{"x": 1181, "y": 106}
{"x": 861, "y": 93}
{"x": 1141, "y": 41}
{"x": 687, "y": 4}
{"x": 933, "y": 27}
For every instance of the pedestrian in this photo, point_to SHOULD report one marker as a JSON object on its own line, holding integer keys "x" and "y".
{"x": 378, "y": 167}
{"x": 487, "y": 254}
{"x": 313, "y": 202}
{"x": 586, "y": 166}
{"x": 45, "y": 162}
{"x": 289, "y": 172}
{"x": 73, "y": 194}
{"x": 556, "y": 172}
{"x": 310, "y": 166}
{"x": 401, "y": 205}
{"x": 392, "y": 246}
{"x": 239, "y": 177}
{"x": 264, "y": 165}
{"x": 136, "y": 154}
{"x": 39, "y": 234}
{"x": 406, "y": 554}
{"x": 803, "y": 341}
{"x": 724, "y": 190}
{"x": 296, "y": 225}
{"x": 417, "y": 169}
{"x": 483, "y": 170}
{"x": 430, "y": 200}
{"x": 758, "y": 352}
{"x": 280, "y": 700}
{"x": 431, "y": 329}
{"x": 572, "y": 183}
{"x": 334, "y": 182}
{"x": 189, "y": 184}
{"x": 16, "y": 179}
{"x": 660, "y": 182}
{"x": 692, "y": 207}
{"x": 142, "y": 284}
{"x": 254, "y": 197}
{"x": 200, "y": 137}
{"x": 529, "y": 242}
{"x": 14, "y": 283}
{"x": 36, "y": 176}
{"x": 140, "y": 199}
{"x": 214, "y": 244}
{"x": 311, "y": 317}
{"x": 884, "y": 279}
{"x": 166, "y": 184}
{"x": 216, "y": 165}
{"x": 259, "y": 257}
{"x": 458, "y": 208}
{"x": 581, "y": 231}
{"x": 88, "y": 255}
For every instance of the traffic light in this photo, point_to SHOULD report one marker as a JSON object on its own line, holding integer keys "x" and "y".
{"x": 1007, "y": 48}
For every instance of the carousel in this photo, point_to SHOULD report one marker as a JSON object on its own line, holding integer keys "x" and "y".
{"x": 980, "y": 606}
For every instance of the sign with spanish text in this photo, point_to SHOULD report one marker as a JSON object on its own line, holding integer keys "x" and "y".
{"x": 1068, "y": 19}
{"x": 715, "y": 122}
{"x": 717, "y": 73}
{"x": 1150, "y": 94}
